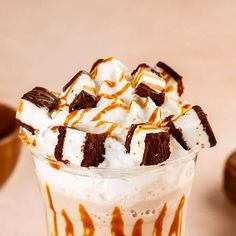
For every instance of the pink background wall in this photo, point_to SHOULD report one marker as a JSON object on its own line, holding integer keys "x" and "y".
{"x": 46, "y": 42}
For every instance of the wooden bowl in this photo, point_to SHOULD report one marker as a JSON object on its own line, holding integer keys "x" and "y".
{"x": 10, "y": 144}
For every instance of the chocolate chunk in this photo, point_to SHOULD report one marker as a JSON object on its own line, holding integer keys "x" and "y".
{"x": 95, "y": 64}
{"x": 82, "y": 101}
{"x": 93, "y": 150}
{"x": 130, "y": 136}
{"x": 206, "y": 126}
{"x": 41, "y": 97}
{"x": 144, "y": 91}
{"x": 146, "y": 67}
{"x": 27, "y": 127}
{"x": 177, "y": 134}
{"x": 58, "y": 152}
{"x": 230, "y": 177}
{"x": 173, "y": 74}
{"x": 82, "y": 72}
{"x": 157, "y": 148}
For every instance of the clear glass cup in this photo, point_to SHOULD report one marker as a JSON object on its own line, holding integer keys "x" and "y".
{"x": 147, "y": 200}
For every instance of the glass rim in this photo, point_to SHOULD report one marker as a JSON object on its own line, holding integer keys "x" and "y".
{"x": 88, "y": 171}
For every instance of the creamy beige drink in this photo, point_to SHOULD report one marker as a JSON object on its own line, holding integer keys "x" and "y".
{"x": 115, "y": 151}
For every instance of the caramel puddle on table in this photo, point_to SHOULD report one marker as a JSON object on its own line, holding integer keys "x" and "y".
{"x": 69, "y": 230}
{"x": 117, "y": 223}
{"x": 137, "y": 230}
{"x": 176, "y": 227}
{"x": 159, "y": 222}
{"x": 87, "y": 221}
{"x": 53, "y": 211}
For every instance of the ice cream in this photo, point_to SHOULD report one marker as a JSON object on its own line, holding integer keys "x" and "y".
{"x": 111, "y": 107}
{"x": 115, "y": 150}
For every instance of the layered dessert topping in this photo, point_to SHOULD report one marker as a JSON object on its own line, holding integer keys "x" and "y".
{"x": 113, "y": 118}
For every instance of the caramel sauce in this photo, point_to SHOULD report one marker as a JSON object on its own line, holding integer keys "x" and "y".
{"x": 185, "y": 108}
{"x": 86, "y": 221}
{"x": 110, "y": 83}
{"x": 69, "y": 89}
{"x": 122, "y": 76}
{"x": 21, "y": 106}
{"x": 24, "y": 138}
{"x": 117, "y": 94}
{"x": 137, "y": 230}
{"x": 157, "y": 231}
{"x": 169, "y": 89}
{"x": 54, "y": 165}
{"x": 91, "y": 89}
{"x": 117, "y": 223}
{"x": 53, "y": 210}
{"x": 94, "y": 73}
{"x": 70, "y": 117}
{"x": 109, "y": 108}
{"x": 153, "y": 86}
{"x": 153, "y": 116}
{"x": 176, "y": 227}
{"x": 100, "y": 123}
{"x": 34, "y": 143}
{"x": 111, "y": 128}
{"x": 141, "y": 104}
{"x": 69, "y": 230}
{"x": 54, "y": 129}
{"x": 81, "y": 116}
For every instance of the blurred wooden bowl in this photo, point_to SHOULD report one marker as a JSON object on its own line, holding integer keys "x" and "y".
{"x": 10, "y": 144}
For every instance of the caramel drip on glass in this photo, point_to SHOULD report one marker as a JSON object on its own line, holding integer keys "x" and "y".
{"x": 137, "y": 230}
{"x": 54, "y": 165}
{"x": 87, "y": 221}
{"x": 117, "y": 223}
{"x": 69, "y": 230}
{"x": 117, "y": 94}
{"x": 154, "y": 115}
{"x": 109, "y": 108}
{"x": 157, "y": 231}
{"x": 53, "y": 210}
{"x": 176, "y": 227}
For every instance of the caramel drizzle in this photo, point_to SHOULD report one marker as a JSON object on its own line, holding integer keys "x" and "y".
{"x": 169, "y": 89}
{"x": 86, "y": 221}
{"x": 94, "y": 73}
{"x": 153, "y": 86}
{"x": 117, "y": 223}
{"x": 176, "y": 226}
{"x": 139, "y": 102}
{"x": 69, "y": 230}
{"x": 21, "y": 106}
{"x": 153, "y": 116}
{"x": 73, "y": 114}
{"x": 138, "y": 78}
{"x": 91, "y": 89}
{"x": 24, "y": 138}
{"x": 100, "y": 123}
{"x": 109, "y": 108}
{"x": 110, "y": 83}
{"x": 53, "y": 210}
{"x": 137, "y": 230}
{"x": 117, "y": 94}
{"x": 34, "y": 143}
{"x": 122, "y": 76}
{"x": 157, "y": 231}
{"x": 53, "y": 165}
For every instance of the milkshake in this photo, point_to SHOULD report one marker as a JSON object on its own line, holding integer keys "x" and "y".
{"x": 115, "y": 151}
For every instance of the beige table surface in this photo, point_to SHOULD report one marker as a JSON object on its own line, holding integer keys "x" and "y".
{"x": 46, "y": 42}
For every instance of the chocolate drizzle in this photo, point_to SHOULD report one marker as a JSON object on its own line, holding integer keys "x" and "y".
{"x": 177, "y": 134}
{"x": 82, "y": 72}
{"x": 82, "y": 101}
{"x": 93, "y": 150}
{"x": 157, "y": 148}
{"x": 130, "y": 136}
{"x": 146, "y": 67}
{"x": 95, "y": 64}
{"x": 173, "y": 74}
{"x": 27, "y": 127}
{"x": 206, "y": 126}
{"x": 41, "y": 97}
{"x": 58, "y": 153}
{"x": 144, "y": 91}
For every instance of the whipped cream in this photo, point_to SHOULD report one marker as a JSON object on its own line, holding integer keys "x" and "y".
{"x": 115, "y": 119}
